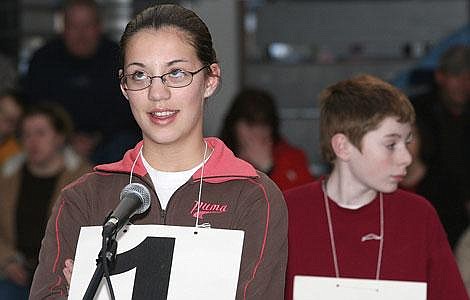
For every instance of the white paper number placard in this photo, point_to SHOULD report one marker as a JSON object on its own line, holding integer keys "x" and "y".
{"x": 331, "y": 288}
{"x": 162, "y": 262}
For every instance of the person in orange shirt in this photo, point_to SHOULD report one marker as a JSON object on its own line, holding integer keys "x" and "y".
{"x": 10, "y": 113}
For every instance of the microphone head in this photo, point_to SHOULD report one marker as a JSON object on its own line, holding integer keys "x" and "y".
{"x": 139, "y": 190}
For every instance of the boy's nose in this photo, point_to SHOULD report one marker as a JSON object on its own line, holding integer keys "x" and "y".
{"x": 405, "y": 157}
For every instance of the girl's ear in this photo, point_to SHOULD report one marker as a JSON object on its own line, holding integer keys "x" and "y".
{"x": 124, "y": 92}
{"x": 341, "y": 146}
{"x": 212, "y": 81}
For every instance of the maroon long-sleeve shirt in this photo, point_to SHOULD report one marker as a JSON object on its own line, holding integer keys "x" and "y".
{"x": 415, "y": 247}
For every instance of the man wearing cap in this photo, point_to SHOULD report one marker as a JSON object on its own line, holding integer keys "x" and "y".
{"x": 443, "y": 121}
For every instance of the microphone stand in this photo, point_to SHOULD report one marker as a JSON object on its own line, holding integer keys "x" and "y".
{"x": 107, "y": 255}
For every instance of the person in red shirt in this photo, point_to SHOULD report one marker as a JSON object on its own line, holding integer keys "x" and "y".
{"x": 251, "y": 130}
{"x": 356, "y": 223}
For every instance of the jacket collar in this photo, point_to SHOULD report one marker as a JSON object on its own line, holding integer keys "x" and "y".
{"x": 222, "y": 165}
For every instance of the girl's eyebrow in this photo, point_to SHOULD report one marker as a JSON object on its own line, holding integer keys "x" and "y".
{"x": 170, "y": 63}
{"x": 135, "y": 64}
{"x": 176, "y": 61}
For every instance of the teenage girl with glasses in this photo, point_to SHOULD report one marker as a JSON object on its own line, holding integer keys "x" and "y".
{"x": 188, "y": 176}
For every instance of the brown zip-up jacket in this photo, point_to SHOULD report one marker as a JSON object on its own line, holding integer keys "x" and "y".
{"x": 251, "y": 202}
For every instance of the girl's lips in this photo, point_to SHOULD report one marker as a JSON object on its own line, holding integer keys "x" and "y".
{"x": 163, "y": 117}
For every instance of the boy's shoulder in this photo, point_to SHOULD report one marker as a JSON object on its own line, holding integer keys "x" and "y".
{"x": 400, "y": 199}
{"x": 409, "y": 202}
{"x": 304, "y": 192}
{"x": 299, "y": 190}
{"x": 409, "y": 197}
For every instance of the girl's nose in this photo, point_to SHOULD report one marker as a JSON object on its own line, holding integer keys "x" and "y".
{"x": 157, "y": 91}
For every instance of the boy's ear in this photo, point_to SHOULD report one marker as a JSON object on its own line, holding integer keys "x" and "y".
{"x": 341, "y": 146}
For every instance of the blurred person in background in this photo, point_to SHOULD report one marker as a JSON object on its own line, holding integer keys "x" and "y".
{"x": 10, "y": 113}
{"x": 9, "y": 75}
{"x": 78, "y": 69}
{"x": 29, "y": 184}
{"x": 251, "y": 130}
{"x": 443, "y": 121}
{"x": 462, "y": 254}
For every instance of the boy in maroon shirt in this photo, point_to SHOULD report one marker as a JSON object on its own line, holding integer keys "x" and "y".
{"x": 355, "y": 223}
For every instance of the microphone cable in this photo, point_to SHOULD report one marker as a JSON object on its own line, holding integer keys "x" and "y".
{"x": 104, "y": 261}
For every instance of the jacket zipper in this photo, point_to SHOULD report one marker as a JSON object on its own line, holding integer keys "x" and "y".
{"x": 163, "y": 215}
{"x": 164, "y": 212}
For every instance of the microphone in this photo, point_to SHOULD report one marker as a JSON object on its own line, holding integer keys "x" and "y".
{"x": 135, "y": 199}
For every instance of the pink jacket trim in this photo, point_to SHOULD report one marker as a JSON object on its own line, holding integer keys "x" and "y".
{"x": 222, "y": 165}
{"x": 265, "y": 237}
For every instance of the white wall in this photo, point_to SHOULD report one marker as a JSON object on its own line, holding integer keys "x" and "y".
{"x": 381, "y": 26}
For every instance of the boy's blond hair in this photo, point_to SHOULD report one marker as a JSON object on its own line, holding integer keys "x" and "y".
{"x": 356, "y": 106}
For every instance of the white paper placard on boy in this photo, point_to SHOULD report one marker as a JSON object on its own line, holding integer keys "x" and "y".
{"x": 162, "y": 262}
{"x": 331, "y": 288}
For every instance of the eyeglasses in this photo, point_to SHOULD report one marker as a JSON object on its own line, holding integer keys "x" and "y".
{"x": 177, "y": 78}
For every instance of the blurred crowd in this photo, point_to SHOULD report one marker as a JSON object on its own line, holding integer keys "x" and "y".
{"x": 68, "y": 114}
